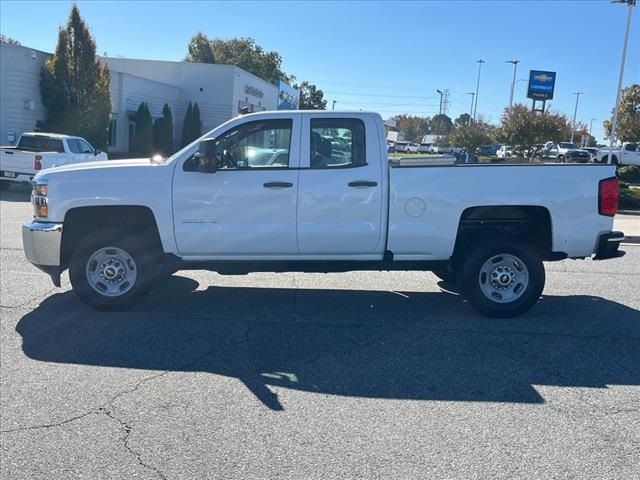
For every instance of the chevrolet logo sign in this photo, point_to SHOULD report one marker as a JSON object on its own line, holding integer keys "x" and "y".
{"x": 543, "y": 78}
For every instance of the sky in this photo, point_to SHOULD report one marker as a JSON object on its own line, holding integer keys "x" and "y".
{"x": 388, "y": 57}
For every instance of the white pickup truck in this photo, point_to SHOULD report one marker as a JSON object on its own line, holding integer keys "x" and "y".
{"x": 629, "y": 154}
{"x": 270, "y": 192}
{"x": 38, "y": 151}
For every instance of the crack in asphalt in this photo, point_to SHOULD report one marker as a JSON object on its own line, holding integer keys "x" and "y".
{"x": 125, "y": 442}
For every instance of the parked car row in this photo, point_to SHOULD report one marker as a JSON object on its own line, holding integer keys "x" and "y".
{"x": 403, "y": 146}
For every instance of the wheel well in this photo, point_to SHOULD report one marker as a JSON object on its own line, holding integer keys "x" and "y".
{"x": 135, "y": 220}
{"x": 532, "y": 223}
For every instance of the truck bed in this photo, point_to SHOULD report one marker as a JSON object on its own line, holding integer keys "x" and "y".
{"x": 427, "y": 202}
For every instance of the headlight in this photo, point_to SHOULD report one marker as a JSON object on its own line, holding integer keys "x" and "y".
{"x": 39, "y": 199}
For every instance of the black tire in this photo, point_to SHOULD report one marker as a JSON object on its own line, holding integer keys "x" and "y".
{"x": 134, "y": 245}
{"x": 561, "y": 158}
{"x": 470, "y": 278}
{"x": 4, "y": 185}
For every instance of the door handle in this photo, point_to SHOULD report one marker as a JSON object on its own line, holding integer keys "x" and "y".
{"x": 363, "y": 183}
{"x": 277, "y": 185}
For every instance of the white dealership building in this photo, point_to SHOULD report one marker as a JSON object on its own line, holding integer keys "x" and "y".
{"x": 220, "y": 91}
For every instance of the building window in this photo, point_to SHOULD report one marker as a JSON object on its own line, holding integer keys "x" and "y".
{"x": 113, "y": 130}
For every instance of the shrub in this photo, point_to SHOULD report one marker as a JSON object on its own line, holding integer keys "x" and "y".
{"x": 629, "y": 174}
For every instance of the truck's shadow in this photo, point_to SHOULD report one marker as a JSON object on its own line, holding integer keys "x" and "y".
{"x": 17, "y": 193}
{"x": 423, "y": 346}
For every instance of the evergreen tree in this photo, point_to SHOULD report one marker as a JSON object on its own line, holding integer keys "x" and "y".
{"x": 143, "y": 138}
{"x": 186, "y": 125}
{"x": 163, "y": 132}
{"x": 74, "y": 85}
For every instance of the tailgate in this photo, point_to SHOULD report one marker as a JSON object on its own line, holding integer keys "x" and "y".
{"x": 17, "y": 162}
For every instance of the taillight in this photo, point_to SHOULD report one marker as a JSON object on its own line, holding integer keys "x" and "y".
{"x": 608, "y": 196}
{"x": 38, "y": 162}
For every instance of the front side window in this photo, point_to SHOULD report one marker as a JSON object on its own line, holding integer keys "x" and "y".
{"x": 72, "y": 143}
{"x": 337, "y": 142}
{"x": 84, "y": 146}
{"x": 260, "y": 144}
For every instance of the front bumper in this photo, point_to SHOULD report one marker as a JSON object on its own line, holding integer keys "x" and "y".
{"x": 42, "y": 242}
{"x": 608, "y": 244}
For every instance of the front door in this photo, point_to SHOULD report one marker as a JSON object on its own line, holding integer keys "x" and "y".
{"x": 247, "y": 207}
{"x": 340, "y": 192}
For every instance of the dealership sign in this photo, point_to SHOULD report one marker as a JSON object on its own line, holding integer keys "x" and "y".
{"x": 541, "y": 85}
{"x": 288, "y": 97}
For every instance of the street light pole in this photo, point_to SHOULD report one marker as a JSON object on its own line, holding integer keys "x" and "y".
{"x": 475, "y": 108}
{"x": 575, "y": 113}
{"x": 591, "y": 125}
{"x": 513, "y": 82}
{"x": 614, "y": 123}
{"x": 441, "y": 93}
{"x": 471, "y": 109}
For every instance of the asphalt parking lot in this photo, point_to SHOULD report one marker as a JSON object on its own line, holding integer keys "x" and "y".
{"x": 305, "y": 376}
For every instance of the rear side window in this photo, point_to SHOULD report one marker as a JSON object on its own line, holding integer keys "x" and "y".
{"x": 337, "y": 143}
{"x": 54, "y": 145}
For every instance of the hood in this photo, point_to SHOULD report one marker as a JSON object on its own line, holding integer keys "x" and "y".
{"x": 94, "y": 166}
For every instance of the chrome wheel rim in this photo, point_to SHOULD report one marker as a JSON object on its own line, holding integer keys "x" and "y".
{"x": 111, "y": 271}
{"x": 503, "y": 278}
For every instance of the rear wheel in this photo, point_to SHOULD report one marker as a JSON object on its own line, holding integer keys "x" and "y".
{"x": 502, "y": 278}
{"x": 109, "y": 267}
{"x": 561, "y": 158}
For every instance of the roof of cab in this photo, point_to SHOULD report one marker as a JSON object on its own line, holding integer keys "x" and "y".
{"x": 48, "y": 135}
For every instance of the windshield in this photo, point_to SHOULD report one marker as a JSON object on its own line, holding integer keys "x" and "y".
{"x": 570, "y": 146}
{"x": 40, "y": 143}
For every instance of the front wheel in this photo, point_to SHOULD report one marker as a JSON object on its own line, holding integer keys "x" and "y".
{"x": 561, "y": 158}
{"x": 502, "y": 278}
{"x": 108, "y": 268}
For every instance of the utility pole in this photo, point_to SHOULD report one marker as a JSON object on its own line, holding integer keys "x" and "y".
{"x": 445, "y": 101}
{"x": 475, "y": 108}
{"x": 614, "y": 123}
{"x": 591, "y": 126}
{"x": 575, "y": 113}
{"x": 333, "y": 107}
{"x": 441, "y": 94}
{"x": 471, "y": 109}
{"x": 513, "y": 82}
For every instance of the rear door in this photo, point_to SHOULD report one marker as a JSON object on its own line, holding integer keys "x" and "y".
{"x": 340, "y": 186}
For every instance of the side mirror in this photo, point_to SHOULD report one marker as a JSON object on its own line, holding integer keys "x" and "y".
{"x": 195, "y": 164}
